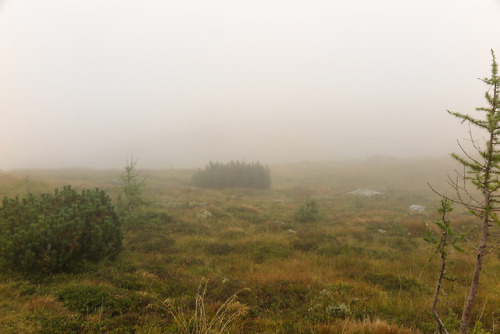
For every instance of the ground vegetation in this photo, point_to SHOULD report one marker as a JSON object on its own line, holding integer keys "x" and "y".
{"x": 362, "y": 268}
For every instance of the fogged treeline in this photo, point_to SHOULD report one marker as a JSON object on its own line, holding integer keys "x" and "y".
{"x": 217, "y": 175}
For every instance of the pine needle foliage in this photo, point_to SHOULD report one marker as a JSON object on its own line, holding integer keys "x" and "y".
{"x": 132, "y": 188}
{"x": 308, "y": 212}
{"x": 55, "y": 232}
{"x": 482, "y": 170}
{"x": 446, "y": 240}
{"x": 217, "y": 175}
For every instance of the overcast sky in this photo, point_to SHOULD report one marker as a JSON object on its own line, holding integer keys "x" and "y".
{"x": 85, "y": 83}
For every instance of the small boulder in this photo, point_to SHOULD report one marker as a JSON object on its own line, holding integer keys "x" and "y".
{"x": 204, "y": 214}
{"x": 194, "y": 204}
{"x": 417, "y": 208}
{"x": 365, "y": 192}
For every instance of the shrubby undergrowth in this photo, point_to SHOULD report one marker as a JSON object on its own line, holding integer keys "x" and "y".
{"x": 234, "y": 174}
{"x": 308, "y": 212}
{"x": 55, "y": 232}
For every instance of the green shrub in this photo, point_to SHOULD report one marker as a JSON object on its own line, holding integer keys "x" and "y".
{"x": 90, "y": 299}
{"x": 264, "y": 251}
{"x": 246, "y": 213}
{"x": 304, "y": 245}
{"x": 148, "y": 219}
{"x": 331, "y": 302}
{"x": 390, "y": 282}
{"x": 127, "y": 323}
{"x": 308, "y": 212}
{"x": 61, "y": 324}
{"x": 219, "y": 248}
{"x": 280, "y": 295}
{"x": 56, "y": 232}
{"x": 234, "y": 174}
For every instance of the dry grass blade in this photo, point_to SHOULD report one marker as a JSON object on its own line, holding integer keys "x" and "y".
{"x": 201, "y": 323}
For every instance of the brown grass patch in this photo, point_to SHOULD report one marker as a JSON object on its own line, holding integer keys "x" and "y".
{"x": 45, "y": 304}
{"x": 300, "y": 271}
{"x": 415, "y": 226}
{"x": 365, "y": 326}
{"x": 91, "y": 282}
{"x": 361, "y": 219}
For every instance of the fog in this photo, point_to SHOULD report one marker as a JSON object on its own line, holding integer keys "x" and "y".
{"x": 179, "y": 83}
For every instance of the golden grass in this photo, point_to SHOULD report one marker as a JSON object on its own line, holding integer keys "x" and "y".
{"x": 92, "y": 282}
{"x": 296, "y": 270}
{"x": 346, "y": 247}
{"x": 40, "y": 305}
{"x": 364, "y": 220}
{"x": 13, "y": 310}
{"x": 367, "y": 326}
{"x": 415, "y": 226}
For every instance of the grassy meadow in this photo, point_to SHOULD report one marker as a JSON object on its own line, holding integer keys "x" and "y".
{"x": 362, "y": 267}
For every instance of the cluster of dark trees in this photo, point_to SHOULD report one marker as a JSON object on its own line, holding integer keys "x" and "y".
{"x": 217, "y": 175}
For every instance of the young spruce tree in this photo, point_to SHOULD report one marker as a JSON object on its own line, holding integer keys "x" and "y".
{"x": 482, "y": 170}
{"x": 445, "y": 242}
{"x": 132, "y": 187}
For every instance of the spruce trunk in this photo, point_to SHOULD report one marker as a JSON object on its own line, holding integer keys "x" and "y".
{"x": 471, "y": 298}
{"x": 481, "y": 251}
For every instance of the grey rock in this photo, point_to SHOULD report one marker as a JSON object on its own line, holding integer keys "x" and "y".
{"x": 365, "y": 192}
{"x": 204, "y": 214}
{"x": 417, "y": 208}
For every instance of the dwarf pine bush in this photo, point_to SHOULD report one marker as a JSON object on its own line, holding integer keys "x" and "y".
{"x": 234, "y": 174}
{"x": 55, "y": 232}
{"x": 308, "y": 212}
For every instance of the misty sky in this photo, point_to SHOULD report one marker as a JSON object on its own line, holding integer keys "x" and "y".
{"x": 85, "y": 83}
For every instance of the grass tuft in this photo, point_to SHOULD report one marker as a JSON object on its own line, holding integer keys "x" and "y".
{"x": 201, "y": 322}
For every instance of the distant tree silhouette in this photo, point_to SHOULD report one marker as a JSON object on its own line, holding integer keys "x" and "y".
{"x": 217, "y": 175}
